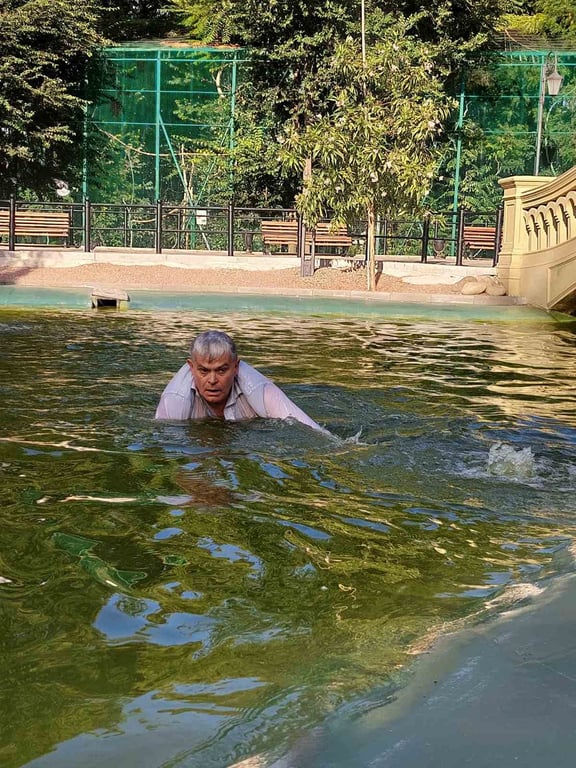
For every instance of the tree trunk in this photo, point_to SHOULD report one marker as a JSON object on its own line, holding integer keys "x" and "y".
{"x": 370, "y": 249}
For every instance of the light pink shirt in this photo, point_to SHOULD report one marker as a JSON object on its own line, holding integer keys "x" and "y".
{"x": 252, "y": 395}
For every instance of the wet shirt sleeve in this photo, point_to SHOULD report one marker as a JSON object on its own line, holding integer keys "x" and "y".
{"x": 177, "y": 398}
{"x": 279, "y": 406}
{"x": 173, "y": 407}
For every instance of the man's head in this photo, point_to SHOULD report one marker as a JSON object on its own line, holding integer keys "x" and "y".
{"x": 214, "y": 364}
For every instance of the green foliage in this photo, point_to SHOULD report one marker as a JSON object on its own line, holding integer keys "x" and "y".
{"x": 290, "y": 78}
{"x": 136, "y": 19}
{"x": 374, "y": 150}
{"x": 526, "y": 25}
{"x": 485, "y": 158}
{"x": 45, "y": 49}
{"x": 204, "y": 20}
{"x": 559, "y": 18}
{"x": 559, "y": 139}
{"x": 377, "y": 147}
{"x": 498, "y": 137}
{"x": 470, "y": 26}
{"x": 549, "y": 18}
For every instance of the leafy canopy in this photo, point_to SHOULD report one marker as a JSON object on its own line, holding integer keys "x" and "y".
{"x": 45, "y": 49}
{"x": 377, "y": 146}
{"x": 293, "y": 48}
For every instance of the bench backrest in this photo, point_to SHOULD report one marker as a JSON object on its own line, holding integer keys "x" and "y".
{"x": 478, "y": 237}
{"x": 37, "y": 222}
{"x": 287, "y": 232}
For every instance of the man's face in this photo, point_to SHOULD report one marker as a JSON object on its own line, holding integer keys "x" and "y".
{"x": 214, "y": 378}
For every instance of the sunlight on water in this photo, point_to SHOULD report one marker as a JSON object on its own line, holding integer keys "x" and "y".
{"x": 200, "y": 594}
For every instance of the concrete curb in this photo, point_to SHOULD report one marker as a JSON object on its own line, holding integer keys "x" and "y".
{"x": 54, "y": 258}
{"x": 438, "y": 273}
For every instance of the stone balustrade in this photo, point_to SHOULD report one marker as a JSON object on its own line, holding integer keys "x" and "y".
{"x": 538, "y": 253}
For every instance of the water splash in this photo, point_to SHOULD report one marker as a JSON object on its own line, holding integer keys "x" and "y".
{"x": 503, "y": 459}
{"x": 354, "y": 439}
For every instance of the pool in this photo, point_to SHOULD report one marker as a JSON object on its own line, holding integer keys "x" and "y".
{"x": 193, "y": 595}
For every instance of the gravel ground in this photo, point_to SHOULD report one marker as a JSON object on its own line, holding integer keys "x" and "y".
{"x": 197, "y": 280}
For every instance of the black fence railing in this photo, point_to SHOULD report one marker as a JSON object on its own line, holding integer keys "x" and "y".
{"x": 454, "y": 236}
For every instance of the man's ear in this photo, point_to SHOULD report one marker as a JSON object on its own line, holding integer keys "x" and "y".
{"x": 190, "y": 363}
{"x": 236, "y": 365}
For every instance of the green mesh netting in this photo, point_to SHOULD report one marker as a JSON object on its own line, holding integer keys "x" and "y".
{"x": 165, "y": 113}
{"x": 167, "y": 120}
{"x": 497, "y": 126}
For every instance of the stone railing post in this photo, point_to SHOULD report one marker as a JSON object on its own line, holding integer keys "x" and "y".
{"x": 514, "y": 233}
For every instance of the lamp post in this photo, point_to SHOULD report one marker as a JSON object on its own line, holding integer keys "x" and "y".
{"x": 550, "y": 79}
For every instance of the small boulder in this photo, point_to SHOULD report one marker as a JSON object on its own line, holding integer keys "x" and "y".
{"x": 487, "y": 279}
{"x": 496, "y": 288}
{"x": 473, "y": 288}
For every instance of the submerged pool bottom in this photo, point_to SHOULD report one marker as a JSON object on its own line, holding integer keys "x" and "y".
{"x": 79, "y": 298}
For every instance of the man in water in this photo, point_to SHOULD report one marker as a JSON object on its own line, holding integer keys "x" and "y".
{"x": 215, "y": 383}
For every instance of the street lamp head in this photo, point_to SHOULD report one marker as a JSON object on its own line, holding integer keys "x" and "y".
{"x": 554, "y": 82}
{"x": 548, "y": 74}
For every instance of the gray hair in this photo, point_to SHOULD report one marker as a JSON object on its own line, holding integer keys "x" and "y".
{"x": 213, "y": 344}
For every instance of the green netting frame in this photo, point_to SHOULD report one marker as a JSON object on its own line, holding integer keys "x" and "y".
{"x": 167, "y": 117}
{"x": 167, "y": 120}
{"x": 496, "y": 131}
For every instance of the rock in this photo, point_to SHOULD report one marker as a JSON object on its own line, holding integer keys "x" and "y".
{"x": 494, "y": 286}
{"x": 473, "y": 288}
{"x": 496, "y": 289}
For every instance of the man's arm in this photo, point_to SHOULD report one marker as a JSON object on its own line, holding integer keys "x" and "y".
{"x": 176, "y": 401}
{"x": 279, "y": 406}
{"x": 173, "y": 407}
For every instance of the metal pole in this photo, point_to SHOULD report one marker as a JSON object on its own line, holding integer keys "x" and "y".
{"x": 498, "y": 236}
{"x": 459, "y": 126}
{"x": 232, "y": 126}
{"x": 540, "y": 116}
{"x": 85, "y": 154}
{"x": 300, "y": 243}
{"x": 363, "y": 30}
{"x": 385, "y": 238}
{"x": 425, "y": 238}
{"x": 12, "y": 224}
{"x": 87, "y": 224}
{"x": 231, "y": 228}
{"x": 157, "y": 191}
{"x": 158, "y": 233}
{"x": 126, "y": 224}
{"x": 460, "y": 239}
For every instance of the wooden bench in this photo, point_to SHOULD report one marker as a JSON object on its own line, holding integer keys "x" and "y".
{"x": 478, "y": 239}
{"x": 338, "y": 238}
{"x": 276, "y": 232}
{"x": 48, "y": 224}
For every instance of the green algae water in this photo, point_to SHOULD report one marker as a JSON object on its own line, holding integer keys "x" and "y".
{"x": 202, "y": 594}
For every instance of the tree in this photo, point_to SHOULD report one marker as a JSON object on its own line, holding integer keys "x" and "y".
{"x": 376, "y": 152}
{"x": 290, "y": 46}
{"x": 45, "y": 51}
{"x": 547, "y": 18}
{"x": 558, "y": 18}
{"x": 286, "y": 76}
{"x": 498, "y": 135}
{"x": 136, "y": 19}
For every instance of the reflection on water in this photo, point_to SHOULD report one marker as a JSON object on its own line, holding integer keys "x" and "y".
{"x": 192, "y": 595}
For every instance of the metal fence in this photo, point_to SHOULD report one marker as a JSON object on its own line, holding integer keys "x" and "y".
{"x": 448, "y": 237}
